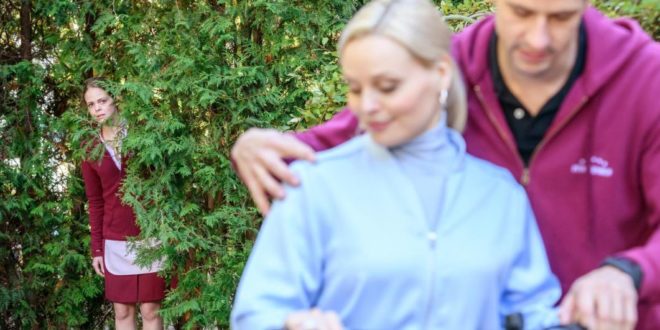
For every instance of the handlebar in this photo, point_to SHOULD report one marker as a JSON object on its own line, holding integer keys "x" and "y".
{"x": 516, "y": 322}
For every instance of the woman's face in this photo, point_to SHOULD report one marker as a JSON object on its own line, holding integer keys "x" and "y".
{"x": 99, "y": 104}
{"x": 394, "y": 95}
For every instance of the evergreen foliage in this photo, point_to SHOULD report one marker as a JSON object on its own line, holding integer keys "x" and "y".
{"x": 189, "y": 76}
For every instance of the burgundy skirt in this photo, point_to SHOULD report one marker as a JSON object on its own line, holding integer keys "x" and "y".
{"x": 132, "y": 289}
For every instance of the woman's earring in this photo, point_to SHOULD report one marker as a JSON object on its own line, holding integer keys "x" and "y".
{"x": 443, "y": 98}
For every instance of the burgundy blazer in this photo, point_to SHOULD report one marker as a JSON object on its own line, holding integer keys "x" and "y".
{"x": 109, "y": 218}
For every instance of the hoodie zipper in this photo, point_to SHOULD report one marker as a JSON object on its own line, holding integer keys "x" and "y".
{"x": 525, "y": 177}
{"x": 561, "y": 125}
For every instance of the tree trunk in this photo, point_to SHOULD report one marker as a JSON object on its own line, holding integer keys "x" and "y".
{"x": 26, "y": 30}
{"x": 90, "y": 19}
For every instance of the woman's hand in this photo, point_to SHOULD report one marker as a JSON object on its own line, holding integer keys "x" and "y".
{"x": 313, "y": 319}
{"x": 258, "y": 155}
{"x": 97, "y": 263}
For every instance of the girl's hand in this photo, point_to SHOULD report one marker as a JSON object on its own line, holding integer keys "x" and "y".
{"x": 313, "y": 319}
{"x": 97, "y": 263}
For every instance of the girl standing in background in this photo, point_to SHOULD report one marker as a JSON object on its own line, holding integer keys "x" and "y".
{"x": 112, "y": 222}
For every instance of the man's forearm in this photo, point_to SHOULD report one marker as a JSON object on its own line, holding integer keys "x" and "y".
{"x": 341, "y": 128}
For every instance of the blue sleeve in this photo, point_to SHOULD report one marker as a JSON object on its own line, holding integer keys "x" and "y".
{"x": 531, "y": 288}
{"x": 284, "y": 271}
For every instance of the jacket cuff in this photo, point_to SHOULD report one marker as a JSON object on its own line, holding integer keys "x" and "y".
{"x": 627, "y": 266}
{"x": 97, "y": 253}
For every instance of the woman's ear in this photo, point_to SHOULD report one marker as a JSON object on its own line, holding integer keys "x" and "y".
{"x": 445, "y": 71}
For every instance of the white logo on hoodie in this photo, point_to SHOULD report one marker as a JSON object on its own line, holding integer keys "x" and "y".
{"x": 598, "y": 166}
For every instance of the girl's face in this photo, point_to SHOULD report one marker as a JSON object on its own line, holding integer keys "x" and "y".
{"x": 99, "y": 104}
{"x": 394, "y": 96}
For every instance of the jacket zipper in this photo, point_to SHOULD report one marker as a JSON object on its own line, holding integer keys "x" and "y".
{"x": 432, "y": 238}
{"x": 525, "y": 175}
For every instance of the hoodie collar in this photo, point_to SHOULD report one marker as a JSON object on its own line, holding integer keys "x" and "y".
{"x": 611, "y": 44}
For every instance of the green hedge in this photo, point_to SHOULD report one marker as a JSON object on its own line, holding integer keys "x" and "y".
{"x": 646, "y": 12}
{"x": 189, "y": 76}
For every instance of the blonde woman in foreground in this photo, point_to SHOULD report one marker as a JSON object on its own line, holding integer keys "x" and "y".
{"x": 399, "y": 228}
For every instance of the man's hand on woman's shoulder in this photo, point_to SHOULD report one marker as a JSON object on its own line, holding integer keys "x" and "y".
{"x": 259, "y": 156}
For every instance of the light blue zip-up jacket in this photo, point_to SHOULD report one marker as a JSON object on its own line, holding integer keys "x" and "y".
{"x": 421, "y": 236}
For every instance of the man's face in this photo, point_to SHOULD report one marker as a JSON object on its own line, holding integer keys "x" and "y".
{"x": 538, "y": 37}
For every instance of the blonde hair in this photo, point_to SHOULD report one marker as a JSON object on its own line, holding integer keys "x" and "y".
{"x": 418, "y": 26}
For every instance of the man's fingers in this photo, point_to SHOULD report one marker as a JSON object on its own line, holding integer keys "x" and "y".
{"x": 630, "y": 312}
{"x": 604, "y": 303}
{"x": 289, "y": 147}
{"x": 268, "y": 182}
{"x": 258, "y": 156}
{"x": 279, "y": 169}
{"x": 585, "y": 305}
{"x": 624, "y": 310}
{"x": 256, "y": 189}
{"x": 616, "y": 314}
{"x": 603, "y": 299}
{"x": 258, "y": 194}
{"x": 275, "y": 166}
{"x": 566, "y": 309}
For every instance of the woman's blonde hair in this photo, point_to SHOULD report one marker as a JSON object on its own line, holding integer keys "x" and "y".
{"x": 419, "y": 27}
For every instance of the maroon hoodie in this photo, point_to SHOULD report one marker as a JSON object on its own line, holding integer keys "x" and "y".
{"x": 594, "y": 180}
